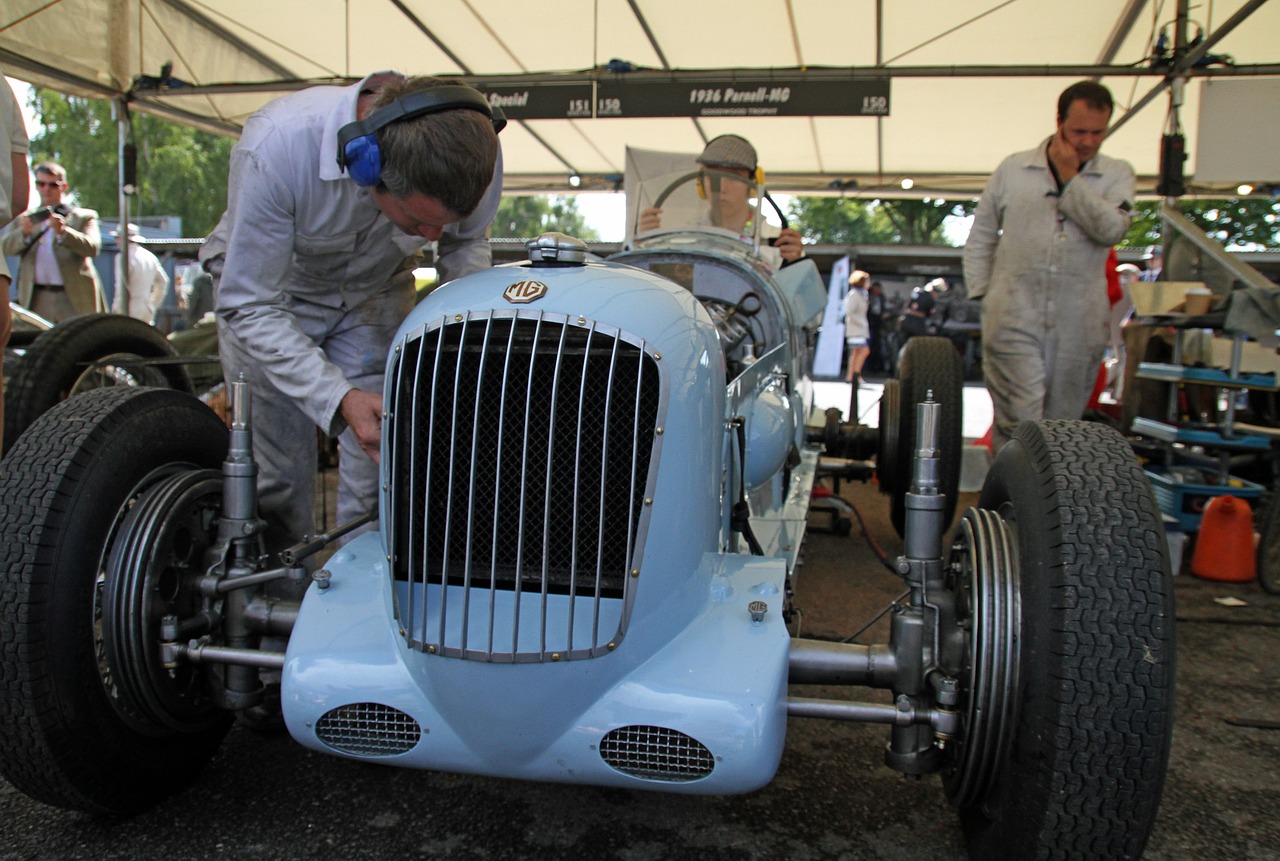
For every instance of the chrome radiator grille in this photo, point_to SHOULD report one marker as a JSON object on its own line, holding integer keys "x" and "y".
{"x": 520, "y": 452}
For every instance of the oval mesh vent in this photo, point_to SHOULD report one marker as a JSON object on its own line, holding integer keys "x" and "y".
{"x": 368, "y": 729}
{"x": 656, "y": 753}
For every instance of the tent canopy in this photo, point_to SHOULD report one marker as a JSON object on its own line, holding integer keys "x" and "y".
{"x": 963, "y": 83}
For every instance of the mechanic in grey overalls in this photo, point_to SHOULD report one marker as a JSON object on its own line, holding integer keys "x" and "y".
{"x": 1036, "y": 256}
{"x": 314, "y": 271}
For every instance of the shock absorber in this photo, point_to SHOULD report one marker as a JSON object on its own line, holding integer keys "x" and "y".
{"x": 238, "y": 530}
{"x": 913, "y": 631}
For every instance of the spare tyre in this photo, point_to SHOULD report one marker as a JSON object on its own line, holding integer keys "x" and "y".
{"x": 89, "y": 351}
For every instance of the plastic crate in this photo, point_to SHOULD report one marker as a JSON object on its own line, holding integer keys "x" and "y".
{"x": 1182, "y": 497}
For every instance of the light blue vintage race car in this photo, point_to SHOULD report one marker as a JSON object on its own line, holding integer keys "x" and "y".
{"x": 597, "y": 476}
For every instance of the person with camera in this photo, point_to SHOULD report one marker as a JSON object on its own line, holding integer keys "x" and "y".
{"x": 57, "y": 244}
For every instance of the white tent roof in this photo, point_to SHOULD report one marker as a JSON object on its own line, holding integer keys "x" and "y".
{"x": 969, "y": 82}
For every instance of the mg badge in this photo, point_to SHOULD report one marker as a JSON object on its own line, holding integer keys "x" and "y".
{"x": 523, "y": 292}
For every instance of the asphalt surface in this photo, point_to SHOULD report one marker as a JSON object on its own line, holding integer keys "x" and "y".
{"x": 265, "y": 797}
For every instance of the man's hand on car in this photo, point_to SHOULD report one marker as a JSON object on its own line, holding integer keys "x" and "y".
{"x": 363, "y": 412}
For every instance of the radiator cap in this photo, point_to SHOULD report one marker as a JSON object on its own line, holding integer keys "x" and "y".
{"x": 557, "y": 249}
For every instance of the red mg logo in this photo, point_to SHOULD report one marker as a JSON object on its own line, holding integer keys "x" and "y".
{"x": 523, "y": 292}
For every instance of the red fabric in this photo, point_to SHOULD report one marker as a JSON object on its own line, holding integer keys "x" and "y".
{"x": 1114, "y": 293}
{"x": 985, "y": 439}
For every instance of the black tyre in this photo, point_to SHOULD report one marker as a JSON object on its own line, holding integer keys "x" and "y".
{"x": 86, "y": 352}
{"x": 887, "y": 454}
{"x": 105, "y": 514}
{"x": 1077, "y": 768}
{"x": 928, "y": 365}
{"x": 1269, "y": 546}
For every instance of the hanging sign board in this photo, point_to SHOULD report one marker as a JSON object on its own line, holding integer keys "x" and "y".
{"x": 738, "y": 97}
{"x": 542, "y": 101}
{"x": 628, "y": 96}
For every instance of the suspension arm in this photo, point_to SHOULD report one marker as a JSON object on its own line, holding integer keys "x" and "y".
{"x": 904, "y": 713}
{"x": 819, "y": 662}
{"x": 199, "y": 653}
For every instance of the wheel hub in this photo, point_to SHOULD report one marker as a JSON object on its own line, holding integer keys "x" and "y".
{"x": 985, "y": 564}
{"x": 118, "y": 369}
{"x": 151, "y": 571}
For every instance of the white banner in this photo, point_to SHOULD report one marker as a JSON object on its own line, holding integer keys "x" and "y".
{"x": 827, "y": 358}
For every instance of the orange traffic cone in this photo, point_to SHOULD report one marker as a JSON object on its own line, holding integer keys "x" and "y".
{"x": 1224, "y": 547}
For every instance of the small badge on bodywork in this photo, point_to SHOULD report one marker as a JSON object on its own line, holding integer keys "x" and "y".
{"x": 523, "y": 292}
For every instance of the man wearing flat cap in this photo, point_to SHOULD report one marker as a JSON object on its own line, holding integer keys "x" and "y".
{"x": 728, "y": 157}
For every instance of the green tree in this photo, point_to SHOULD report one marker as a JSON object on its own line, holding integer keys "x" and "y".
{"x": 921, "y": 222}
{"x": 181, "y": 171}
{"x": 1244, "y": 221}
{"x": 527, "y": 216}
{"x": 841, "y": 221}
{"x": 836, "y": 220}
{"x": 1144, "y": 229}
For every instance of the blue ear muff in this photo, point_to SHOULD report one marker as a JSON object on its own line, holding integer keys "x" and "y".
{"x": 363, "y": 161}
{"x": 358, "y": 141}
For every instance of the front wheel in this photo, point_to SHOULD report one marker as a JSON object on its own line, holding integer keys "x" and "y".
{"x": 1070, "y": 723}
{"x": 108, "y": 506}
{"x": 928, "y": 368}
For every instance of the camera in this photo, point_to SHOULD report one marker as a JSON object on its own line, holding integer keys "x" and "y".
{"x": 40, "y": 214}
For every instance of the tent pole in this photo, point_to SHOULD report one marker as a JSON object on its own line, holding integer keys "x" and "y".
{"x": 125, "y": 158}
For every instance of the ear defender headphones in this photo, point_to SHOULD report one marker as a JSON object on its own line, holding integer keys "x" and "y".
{"x": 358, "y": 151}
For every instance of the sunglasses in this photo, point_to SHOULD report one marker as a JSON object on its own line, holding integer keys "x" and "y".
{"x": 52, "y": 183}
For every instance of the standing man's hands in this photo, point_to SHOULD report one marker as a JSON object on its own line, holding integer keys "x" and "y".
{"x": 363, "y": 413}
{"x": 1064, "y": 157}
{"x": 56, "y": 223}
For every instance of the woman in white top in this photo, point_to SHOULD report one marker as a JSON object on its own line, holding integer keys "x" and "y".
{"x": 857, "y": 331}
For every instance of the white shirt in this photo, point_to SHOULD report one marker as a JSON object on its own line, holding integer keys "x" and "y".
{"x": 856, "y": 324}
{"x": 46, "y": 271}
{"x": 146, "y": 287}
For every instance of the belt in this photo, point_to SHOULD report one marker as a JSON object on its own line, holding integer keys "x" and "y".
{"x": 56, "y": 288}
